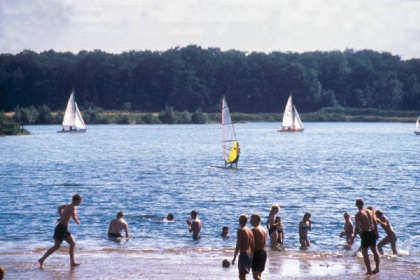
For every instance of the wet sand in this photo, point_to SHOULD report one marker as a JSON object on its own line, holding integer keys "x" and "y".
{"x": 200, "y": 264}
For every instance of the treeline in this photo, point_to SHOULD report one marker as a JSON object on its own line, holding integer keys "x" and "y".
{"x": 192, "y": 78}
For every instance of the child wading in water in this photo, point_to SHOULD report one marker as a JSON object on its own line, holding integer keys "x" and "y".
{"x": 304, "y": 227}
{"x": 280, "y": 230}
{"x": 347, "y": 230}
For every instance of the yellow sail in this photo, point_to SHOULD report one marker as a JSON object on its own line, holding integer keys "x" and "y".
{"x": 233, "y": 152}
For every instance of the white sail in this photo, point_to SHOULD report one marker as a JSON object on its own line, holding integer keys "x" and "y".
{"x": 78, "y": 120}
{"x": 417, "y": 127}
{"x": 69, "y": 115}
{"x": 297, "y": 122}
{"x": 291, "y": 120}
{"x": 288, "y": 118}
{"x": 229, "y": 141}
{"x": 73, "y": 121}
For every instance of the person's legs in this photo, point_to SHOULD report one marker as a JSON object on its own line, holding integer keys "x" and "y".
{"x": 383, "y": 242}
{"x": 394, "y": 244}
{"x": 366, "y": 260}
{"x": 376, "y": 258}
{"x": 57, "y": 244}
{"x": 394, "y": 247}
{"x": 69, "y": 239}
{"x": 256, "y": 274}
{"x": 273, "y": 239}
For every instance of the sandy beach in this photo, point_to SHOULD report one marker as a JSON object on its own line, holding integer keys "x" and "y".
{"x": 200, "y": 264}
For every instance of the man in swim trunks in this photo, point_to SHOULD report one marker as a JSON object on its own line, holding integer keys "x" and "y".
{"x": 194, "y": 226}
{"x": 365, "y": 223}
{"x": 259, "y": 256}
{"x": 66, "y": 212}
{"x": 244, "y": 245}
{"x": 117, "y": 225}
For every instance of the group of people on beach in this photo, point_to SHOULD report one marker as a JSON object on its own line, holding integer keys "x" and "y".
{"x": 251, "y": 243}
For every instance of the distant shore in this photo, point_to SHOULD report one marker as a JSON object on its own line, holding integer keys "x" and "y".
{"x": 170, "y": 116}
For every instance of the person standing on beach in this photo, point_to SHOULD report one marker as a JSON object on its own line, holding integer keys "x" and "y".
{"x": 66, "y": 212}
{"x": 272, "y": 225}
{"x": 194, "y": 226}
{"x": 390, "y": 237}
{"x": 369, "y": 233}
{"x": 244, "y": 246}
{"x": 117, "y": 225}
{"x": 259, "y": 256}
{"x": 304, "y": 227}
{"x": 347, "y": 230}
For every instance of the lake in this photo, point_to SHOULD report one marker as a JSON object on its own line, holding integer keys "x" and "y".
{"x": 148, "y": 171}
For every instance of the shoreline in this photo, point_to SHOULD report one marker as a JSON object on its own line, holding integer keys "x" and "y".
{"x": 197, "y": 264}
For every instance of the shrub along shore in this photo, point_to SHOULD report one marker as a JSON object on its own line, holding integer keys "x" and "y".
{"x": 13, "y": 123}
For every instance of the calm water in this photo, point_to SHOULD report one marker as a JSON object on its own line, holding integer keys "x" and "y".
{"x": 149, "y": 171}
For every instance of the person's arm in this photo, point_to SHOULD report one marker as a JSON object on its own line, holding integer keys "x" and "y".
{"x": 126, "y": 230}
{"x": 75, "y": 216}
{"x": 189, "y": 225}
{"x": 252, "y": 242}
{"x": 385, "y": 223}
{"x": 356, "y": 228}
{"x": 310, "y": 225}
{"x": 375, "y": 228}
{"x": 60, "y": 211}
{"x": 238, "y": 241}
{"x": 109, "y": 228}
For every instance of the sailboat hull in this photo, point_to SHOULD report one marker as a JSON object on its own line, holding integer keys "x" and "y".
{"x": 291, "y": 130}
{"x": 72, "y": 131}
{"x": 417, "y": 132}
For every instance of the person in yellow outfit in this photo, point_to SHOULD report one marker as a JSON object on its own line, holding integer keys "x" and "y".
{"x": 234, "y": 155}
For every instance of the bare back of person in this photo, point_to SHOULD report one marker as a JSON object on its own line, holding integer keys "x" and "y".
{"x": 260, "y": 238}
{"x": 196, "y": 228}
{"x": 365, "y": 220}
{"x": 246, "y": 240}
{"x": 117, "y": 225}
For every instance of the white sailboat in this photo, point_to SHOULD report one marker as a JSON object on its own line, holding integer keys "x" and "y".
{"x": 291, "y": 119}
{"x": 230, "y": 145}
{"x": 417, "y": 128}
{"x": 73, "y": 121}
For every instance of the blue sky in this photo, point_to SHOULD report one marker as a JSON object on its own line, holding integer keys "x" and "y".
{"x": 116, "y": 26}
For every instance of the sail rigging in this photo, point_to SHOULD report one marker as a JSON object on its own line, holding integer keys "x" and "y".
{"x": 230, "y": 145}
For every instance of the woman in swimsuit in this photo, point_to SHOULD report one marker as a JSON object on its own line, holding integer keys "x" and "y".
{"x": 304, "y": 227}
{"x": 272, "y": 225}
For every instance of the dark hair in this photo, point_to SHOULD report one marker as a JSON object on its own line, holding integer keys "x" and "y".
{"x": 359, "y": 202}
{"x": 194, "y": 213}
{"x": 77, "y": 197}
{"x": 120, "y": 214}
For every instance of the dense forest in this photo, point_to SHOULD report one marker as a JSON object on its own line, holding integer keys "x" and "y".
{"x": 192, "y": 78}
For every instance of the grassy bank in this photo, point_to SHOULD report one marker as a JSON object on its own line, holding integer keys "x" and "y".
{"x": 170, "y": 116}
